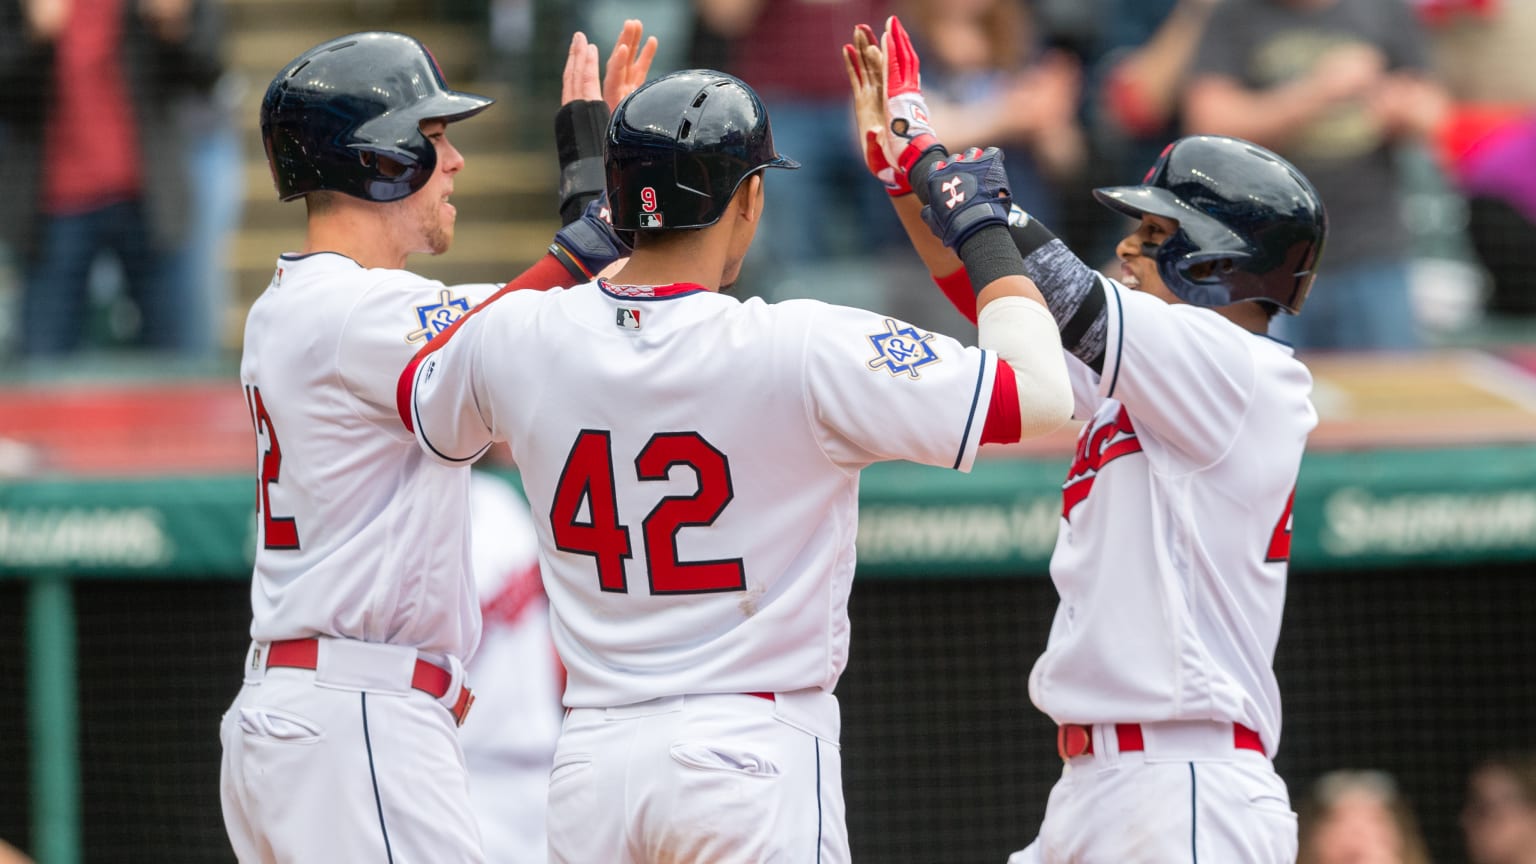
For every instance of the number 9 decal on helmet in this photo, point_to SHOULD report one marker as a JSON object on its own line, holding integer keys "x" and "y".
{"x": 668, "y": 168}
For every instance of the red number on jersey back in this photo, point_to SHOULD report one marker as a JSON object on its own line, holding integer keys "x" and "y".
{"x": 276, "y": 532}
{"x": 588, "y": 475}
{"x": 655, "y": 462}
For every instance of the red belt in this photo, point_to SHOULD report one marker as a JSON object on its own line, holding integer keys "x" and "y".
{"x": 1073, "y": 739}
{"x": 428, "y": 678}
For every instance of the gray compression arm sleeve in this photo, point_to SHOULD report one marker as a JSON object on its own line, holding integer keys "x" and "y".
{"x": 1073, "y": 291}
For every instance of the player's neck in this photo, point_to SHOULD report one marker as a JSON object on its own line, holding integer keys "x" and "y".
{"x": 357, "y": 234}
{"x": 1252, "y": 317}
{"x": 687, "y": 264}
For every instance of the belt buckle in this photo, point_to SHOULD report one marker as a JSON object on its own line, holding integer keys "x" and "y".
{"x": 1072, "y": 740}
{"x": 461, "y": 706}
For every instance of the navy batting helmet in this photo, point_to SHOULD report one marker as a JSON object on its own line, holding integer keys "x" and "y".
{"x": 679, "y": 146}
{"x": 1235, "y": 202}
{"x": 336, "y": 109}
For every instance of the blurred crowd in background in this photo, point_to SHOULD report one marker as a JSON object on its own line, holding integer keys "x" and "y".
{"x": 127, "y": 158}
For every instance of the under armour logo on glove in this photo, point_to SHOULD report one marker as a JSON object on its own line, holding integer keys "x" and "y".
{"x": 974, "y": 189}
{"x": 952, "y": 188}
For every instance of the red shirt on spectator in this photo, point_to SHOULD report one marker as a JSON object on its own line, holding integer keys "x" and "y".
{"x": 92, "y": 155}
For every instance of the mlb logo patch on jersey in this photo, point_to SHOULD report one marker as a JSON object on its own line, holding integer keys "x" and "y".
{"x": 627, "y": 317}
{"x": 901, "y": 350}
{"x": 437, "y": 317}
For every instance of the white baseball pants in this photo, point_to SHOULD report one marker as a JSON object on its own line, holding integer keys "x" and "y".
{"x": 1189, "y": 798}
{"x": 715, "y": 778}
{"x": 316, "y": 769}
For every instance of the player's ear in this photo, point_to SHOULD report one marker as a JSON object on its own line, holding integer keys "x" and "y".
{"x": 749, "y": 197}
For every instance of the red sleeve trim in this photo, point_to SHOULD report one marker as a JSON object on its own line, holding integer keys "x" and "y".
{"x": 957, "y": 287}
{"x": 1003, "y": 425}
{"x": 547, "y": 272}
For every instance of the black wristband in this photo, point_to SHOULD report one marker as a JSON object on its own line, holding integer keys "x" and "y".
{"x": 579, "y": 130}
{"x": 1030, "y": 235}
{"x": 918, "y": 176}
{"x": 989, "y": 255}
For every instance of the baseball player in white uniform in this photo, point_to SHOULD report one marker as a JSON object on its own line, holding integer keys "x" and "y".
{"x": 692, "y": 462}
{"x": 1171, "y": 558}
{"x": 509, "y": 740}
{"x": 341, "y": 745}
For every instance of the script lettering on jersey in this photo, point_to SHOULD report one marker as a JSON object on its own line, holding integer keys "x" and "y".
{"x": 439, "y": 316}
{"x": 1097, "y": 447}
{"x": 901, "y": 350}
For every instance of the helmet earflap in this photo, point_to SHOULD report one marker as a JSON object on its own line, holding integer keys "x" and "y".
{"x": 1234, "y": 202}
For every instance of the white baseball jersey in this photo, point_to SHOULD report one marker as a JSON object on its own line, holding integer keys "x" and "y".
{"x": 692, "y": 463}
{"x": 359, "y": 534}
{"x": 1175, "y": 533}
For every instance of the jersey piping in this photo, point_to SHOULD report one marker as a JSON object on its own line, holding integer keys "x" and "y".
{"x": 1119, "y": 338}
{"x": 970, "y": 418}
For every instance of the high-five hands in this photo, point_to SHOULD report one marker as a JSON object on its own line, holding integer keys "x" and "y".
{"x": 905, "y": 110}
{"x": 585, "y": 104}
{"x": 888, "y": 104}
{"x": 865, "y": 65}
{"x": 628, "y": 65}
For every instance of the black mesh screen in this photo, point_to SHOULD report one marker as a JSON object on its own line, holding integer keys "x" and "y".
{"x": 159, "y": 663}
{"x": 15, "y": 773}
{"x": 1415, "y": 672}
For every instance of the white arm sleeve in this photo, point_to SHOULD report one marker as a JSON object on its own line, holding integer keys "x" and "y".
{"x": 448, "y": 396}
{"x": 1024, "y": 334}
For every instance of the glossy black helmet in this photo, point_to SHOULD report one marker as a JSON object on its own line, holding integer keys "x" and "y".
{"x": 332, "y": 112}
{"x": 679, "y": 146}
{"x": 1235, "y": 202}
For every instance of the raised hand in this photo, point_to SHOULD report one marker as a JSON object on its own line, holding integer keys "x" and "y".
{"x": 579, "y": 81}
{"x": 628, "y": 64}
{"x": 865, "y": 65}
{"x": 905, "y": 110}
{"x": 967, "y": 194}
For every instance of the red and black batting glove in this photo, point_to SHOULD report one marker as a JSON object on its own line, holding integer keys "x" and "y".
{"x": 895, "y": 182}
{"x": 912, "y": 135}
{"x": 966, "y": 194}
{"x": 868, "y": 81}
{"x": 590, "y": 243}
